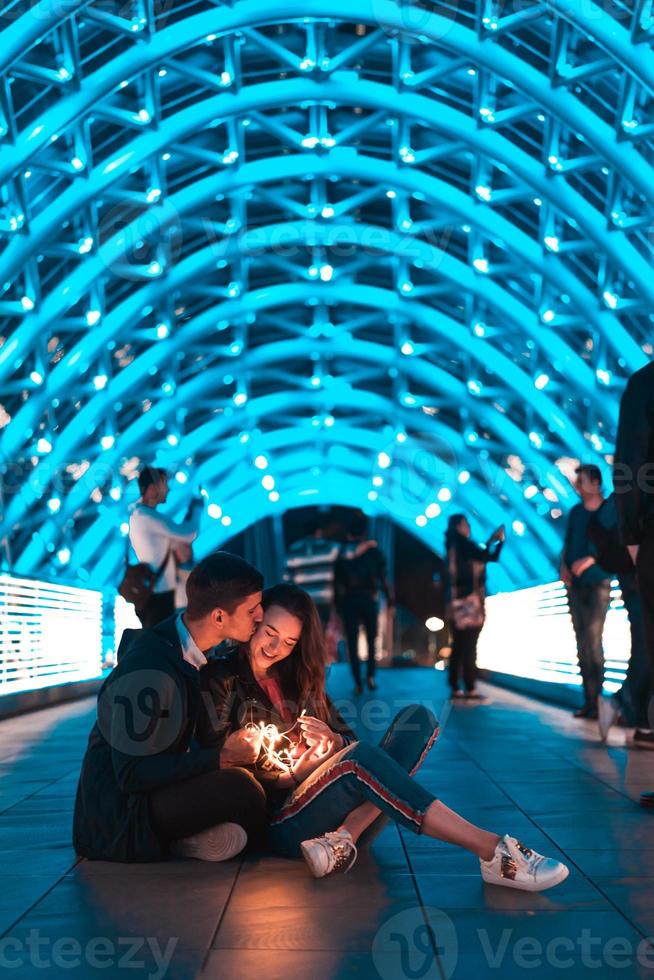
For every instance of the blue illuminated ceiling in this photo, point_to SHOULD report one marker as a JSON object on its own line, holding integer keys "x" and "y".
{"x": 395, "y": 255}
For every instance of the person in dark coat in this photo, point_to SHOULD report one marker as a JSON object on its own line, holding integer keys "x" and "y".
{"x": 359, "y": 570}
{"x": 146, "y": 790}
{"x": 631, "y": 702}
{"x": 465, "y": 582}
{"x": 633, "y": 479}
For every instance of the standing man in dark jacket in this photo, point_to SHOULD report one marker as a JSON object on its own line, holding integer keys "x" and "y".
{"x": 633, "y": 478}
{"x": 145, "y": 791}
{"x": 358, "y": 571}
{"x": 589, "y": 587}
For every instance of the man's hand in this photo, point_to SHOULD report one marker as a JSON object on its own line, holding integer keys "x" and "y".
{"x": 633, "y": 551}
{"x": 581, "y": 564}
{"x": 241, "y": 748}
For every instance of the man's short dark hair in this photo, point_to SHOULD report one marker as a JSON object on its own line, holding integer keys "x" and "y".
{"x": 220, "y": 581}
{"x": 591, "y": 471}
{"x": 150, "y": 475}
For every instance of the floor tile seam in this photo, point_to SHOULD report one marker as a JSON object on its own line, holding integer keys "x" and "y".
{"x": 46, "y": 785}
{"x": 38, "y": 901}
{"x": 588, "y": 878}
{"x": 416, "y": 886}
{"x": 221, "y": 917}
{"x": 562, "y": 757}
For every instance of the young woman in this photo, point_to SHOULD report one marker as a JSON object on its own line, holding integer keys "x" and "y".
{"x": 335, "y": 787}
{"x": 465, "y": 589}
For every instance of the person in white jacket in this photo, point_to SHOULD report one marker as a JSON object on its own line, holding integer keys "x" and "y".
{"x": 154, "y": 538}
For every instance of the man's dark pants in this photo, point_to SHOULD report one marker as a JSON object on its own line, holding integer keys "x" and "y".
{"x": 645, "y": 571}
{"x": 589, "y": 604}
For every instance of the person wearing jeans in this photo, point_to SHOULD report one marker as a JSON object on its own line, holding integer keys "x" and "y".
{"x": 318, "y": 780}
{"x": 630, "y": 703}
{"x": 588, "y": 585}
{"x": 633, "y": 478}
{"x": 361, "y": 772}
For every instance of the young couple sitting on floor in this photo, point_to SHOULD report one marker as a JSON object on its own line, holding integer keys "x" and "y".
{"x": 182, "y": 760}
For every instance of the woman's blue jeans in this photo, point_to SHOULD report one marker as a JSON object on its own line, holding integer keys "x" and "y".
{"x": 361, "y": 773}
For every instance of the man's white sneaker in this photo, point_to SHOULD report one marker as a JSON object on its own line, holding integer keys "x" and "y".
{"x": 218, "y": 843}
{"x": 516, "y": 866}
{"x": 607, "y": 715}
{"x": 335, "y": 853}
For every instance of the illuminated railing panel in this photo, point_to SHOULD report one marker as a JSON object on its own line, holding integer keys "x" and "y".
{"x": 49, "y": 634}
{"x": 529, "y": 633}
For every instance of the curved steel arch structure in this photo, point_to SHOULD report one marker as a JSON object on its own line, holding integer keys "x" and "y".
{"x": 318, "y": 232}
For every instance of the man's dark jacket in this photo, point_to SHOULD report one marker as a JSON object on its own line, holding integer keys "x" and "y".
{"x": 147, "y": 713}
{"x": 634, "y": 457}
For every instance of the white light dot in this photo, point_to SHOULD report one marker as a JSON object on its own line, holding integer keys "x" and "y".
{"x": 226, "y": 521}
{"x": 214, "y": 511}
{"x": 261, "y": 463}
{"x": 268, "y": 482}
{"x": 444, "y": 494}
{"x": 383, "y": 461}
{"x": 433, "y": 510}
{"x": 421, "y": 520}
{"x": 54, "y": 504}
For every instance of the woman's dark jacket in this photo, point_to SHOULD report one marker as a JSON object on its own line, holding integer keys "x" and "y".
{"x": 231, "y": 698}
{"x": 470, "y": 562}
{"x": 147, "y": 712}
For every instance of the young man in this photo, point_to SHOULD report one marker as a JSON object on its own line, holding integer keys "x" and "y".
{"x": 589, "y": 587}
{"x": 358, "y": 570}
{"x": 633, "y": 477}
{"x": 154, "y": 539}
{"x": 145, "y": 790}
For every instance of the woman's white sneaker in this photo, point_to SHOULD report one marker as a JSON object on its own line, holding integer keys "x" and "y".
{"x": 218, "y": 843}
{"x": 515, "y": 866}
{"x": 335, "y": 853}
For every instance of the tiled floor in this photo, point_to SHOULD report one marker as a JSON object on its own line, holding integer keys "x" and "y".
{"x": 410, "y": 908}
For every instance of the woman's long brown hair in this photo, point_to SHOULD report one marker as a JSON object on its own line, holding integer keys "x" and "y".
{"x": 302, "y": 674}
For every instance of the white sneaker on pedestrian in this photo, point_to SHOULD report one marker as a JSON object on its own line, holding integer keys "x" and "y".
{"x": 335, "y": 853}
{"x": 607, "y": 715}
{"x": 218, "y": 843}
{"x": 515, "y": 866}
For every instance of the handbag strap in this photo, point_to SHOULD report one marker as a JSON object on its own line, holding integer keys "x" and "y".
{"x": 159, "y": 571}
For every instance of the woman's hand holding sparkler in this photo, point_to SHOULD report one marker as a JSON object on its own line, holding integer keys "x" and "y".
{"x": 241, "y": 748}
